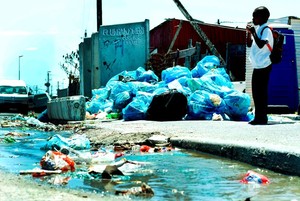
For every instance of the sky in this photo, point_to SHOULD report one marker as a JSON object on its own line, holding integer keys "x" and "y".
{"x": 43, "y": 31}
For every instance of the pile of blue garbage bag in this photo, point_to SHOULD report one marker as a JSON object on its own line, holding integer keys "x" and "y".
{"x": 207, "y": 87}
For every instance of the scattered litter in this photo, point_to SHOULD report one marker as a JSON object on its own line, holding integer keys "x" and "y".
{"x": 207, "y": 88}
{"x": 17, "y": 134}
{"x": 76, "y": 142}
{"x": 158, "y": 139}
{"x": 34, "y": 122}
{"x": 59, "y": 180}
{"x": 40, "y": 172}
{"x": 148, "y": 149}
{"x": 8, "y": 139}
{"x": 254, "y": 177}
{"x": 103, "y": 157}
{"x": 54, "y": 160}
{"x": 144, "y": 190}
{"x": 120, "y": 168}
{"x": 29, "y": 122}
{"x": 217, "y": 117}
{"x": 279, "y": 120}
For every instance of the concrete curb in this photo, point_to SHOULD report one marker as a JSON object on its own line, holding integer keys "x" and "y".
{"x": 282, "y": 162}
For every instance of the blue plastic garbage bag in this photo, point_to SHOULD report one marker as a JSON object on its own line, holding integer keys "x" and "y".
{"x": 76, "y": 142}
{"x": 43, "y": 117}
{"x": 199, "y": 70}
{"x": 161, "y": 84}
{"x": 147, "y": 76}
{"x": 183, "y": 81}
{"x": 140, "y": 74}
{"x": 106, "y": 105}
{"x": 207, "y": 63}
{"x": 220, "y": 71}
{"x": 237, "y": 105}
{"x": 215, "y": 84}
{"x": 124, "y": 76}
{"x": 172, "y": 73}
{"x": 143, "y": 86}
{"x": 210, "y": 61}
{"x": 215, "y": 81}
{"x": 160, "y": 90}
{"x": 102, "y": 93}
{"x": 93, "y": 106}
{"x": 144, "y": 96}
{"x": 137, "y": 109}
{"x": 219, "y": 77}
{"x": 120, "y": 87}
{"x": 122, "y": 99}
{"x": 202, "y": 105}
{"x": 194, "y": 84}
{"x": 175, "y": 84}
{"x": 96, "y": 105}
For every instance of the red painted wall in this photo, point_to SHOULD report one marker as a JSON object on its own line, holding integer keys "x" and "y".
{"x": 162, "y": 36}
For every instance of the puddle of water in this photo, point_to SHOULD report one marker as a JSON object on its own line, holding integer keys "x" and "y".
{"x": 181, "y": 175}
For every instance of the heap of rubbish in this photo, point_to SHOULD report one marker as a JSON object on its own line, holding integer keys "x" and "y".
{"x": 75, "y": 154}
{"x": 28, "y": 122}
{"x": 207, "y": 87}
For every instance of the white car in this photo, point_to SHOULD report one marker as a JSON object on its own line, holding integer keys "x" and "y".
{"x": 14, "y": 96}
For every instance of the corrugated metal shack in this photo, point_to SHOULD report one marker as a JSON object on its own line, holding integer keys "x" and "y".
{"x": 229, "y": 41}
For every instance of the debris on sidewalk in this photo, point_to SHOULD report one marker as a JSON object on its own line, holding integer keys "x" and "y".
{"x": 54, "y": 160}
{"x": 41, "y": 172}
{"x": 76, "y": 142}
{"x": 8, "y": 139}
{"x": 121, "y": 168}
{"x": 272, "y": 119}
{"x": 254, "y": 177}
{"x": 144, "y": 191}
{"x": 207, "y": 89}
{"x": 16, "y": 134}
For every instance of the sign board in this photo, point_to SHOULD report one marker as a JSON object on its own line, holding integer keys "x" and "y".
{"x": 122, "y": 47}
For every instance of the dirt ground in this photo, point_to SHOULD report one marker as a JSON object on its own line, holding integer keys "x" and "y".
{"x": 17, "y": 187}
{"x": 103, "y": 136}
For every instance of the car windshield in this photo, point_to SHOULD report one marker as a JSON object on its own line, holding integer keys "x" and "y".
{"x": 13, "y": 90}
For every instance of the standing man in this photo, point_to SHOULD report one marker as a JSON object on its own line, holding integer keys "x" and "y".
{"x": 259, "y": 35}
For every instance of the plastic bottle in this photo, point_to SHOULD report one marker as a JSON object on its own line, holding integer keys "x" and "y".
{"x": 104, "y": 157}
{"x": 254, "y": 177}
{"x": 135, "y": 148}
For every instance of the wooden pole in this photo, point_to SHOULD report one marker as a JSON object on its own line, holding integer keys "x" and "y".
{"x": 200, "y": 32}
{"x": 99, "y": 14}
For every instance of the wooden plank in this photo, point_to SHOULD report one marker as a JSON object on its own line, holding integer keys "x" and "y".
{"x": 40, "y": 171}
{"x": 175, "y": 37}
{"x": 200, "y": 32}
{"x": 183, "y": 53}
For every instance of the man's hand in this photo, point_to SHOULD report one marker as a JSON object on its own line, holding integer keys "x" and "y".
{"x": 250, "y": 28}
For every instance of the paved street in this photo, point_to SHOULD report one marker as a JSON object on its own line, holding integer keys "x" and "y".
{"x": 274, "y": 146}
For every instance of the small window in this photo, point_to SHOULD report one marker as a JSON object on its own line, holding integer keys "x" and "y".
{"x": 12, "y": 90}
{"x": 21, "y": 90}
{"x": 6, "y": 90}
{"x": 2, "y": 90}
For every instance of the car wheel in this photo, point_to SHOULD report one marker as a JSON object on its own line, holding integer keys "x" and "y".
{"x": 24, "y": 111}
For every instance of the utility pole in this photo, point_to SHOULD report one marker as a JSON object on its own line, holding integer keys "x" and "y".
{"x": 20, "y": 66}
{"x": 47, "y": 84}
{"x": 200, "y": 32}
{"x": 99, "y": 14}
